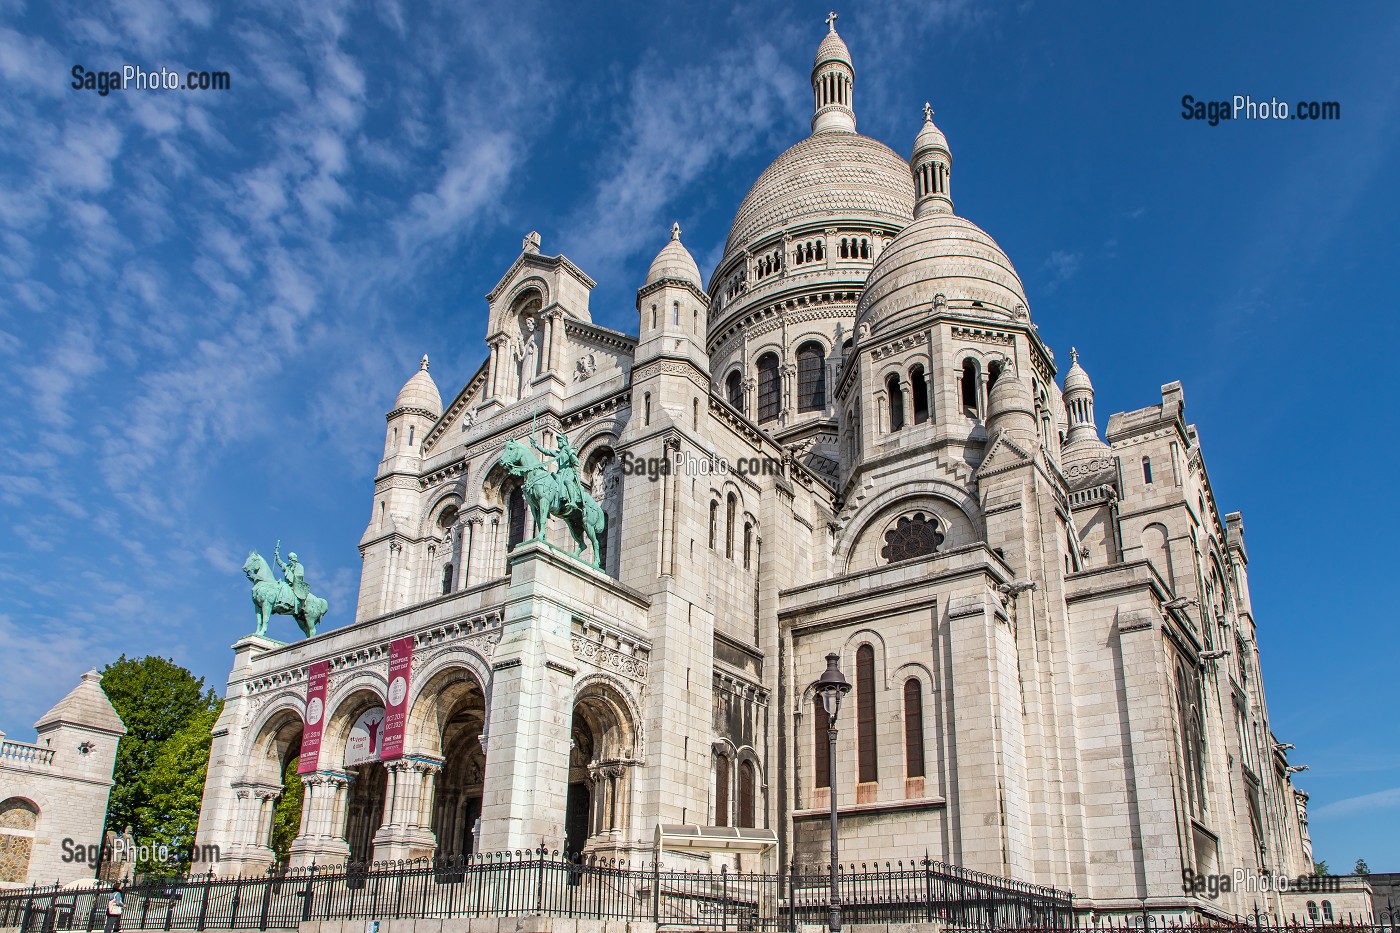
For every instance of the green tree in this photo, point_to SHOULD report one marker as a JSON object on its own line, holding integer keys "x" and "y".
{"x": 1361, "y": 867}
{"x": 1320, "y": 868}
{"x": 286, "y": 817}
{"x": 175, "y": 789}
{"x": 156, "y": 699}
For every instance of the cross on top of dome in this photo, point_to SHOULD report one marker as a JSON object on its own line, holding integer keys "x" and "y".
{"x": 928, "y": 112}
{"x": 831, "y": 20}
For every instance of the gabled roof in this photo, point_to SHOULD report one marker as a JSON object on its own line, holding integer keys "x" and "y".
{"x": 85, "y": 705}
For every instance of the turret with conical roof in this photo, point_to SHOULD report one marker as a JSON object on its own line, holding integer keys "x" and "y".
{"x": 416, "y": 409}
{"x": 1083, "y": 444}
{"x": 932, "y": 163}
{"x": 671, "y": 307}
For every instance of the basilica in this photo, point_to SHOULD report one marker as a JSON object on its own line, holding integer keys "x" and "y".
{"x": 1046, "y": 623}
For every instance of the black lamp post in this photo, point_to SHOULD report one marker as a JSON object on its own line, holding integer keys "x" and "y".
{"x": 831, "y": 687}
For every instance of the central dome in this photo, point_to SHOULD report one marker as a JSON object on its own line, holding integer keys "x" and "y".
{"x": 827, "y": 176}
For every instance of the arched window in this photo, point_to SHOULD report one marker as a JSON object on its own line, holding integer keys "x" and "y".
{"x": 18, "y": 819}
{"x": 653, "y": 315}
{"x": 811, "y": 377}
{"x": 746, "y": 794}
{"x": 867, "y": 743}
{"x": 896, "y": 394}
{"x": 734, "y": 390}
{"x": 1312, "y": 910}
{"x": 714, "y": 522}
{"x": 821, "y": 749}
{"x": 1327, "y": 911}
{"x": 446, "y": 578}
{"x": 769, "y": 391}
{"x": 730, "y": 504}
{"x": 516, "y": 508}
{"x": 969, "y": 386}
{"x": 918, "y": 385}
{"x": 675, "y": 312}
{"x": 722, "y": 791}
{"x": 993, "y": 372}
{"x": 845, "y": 252}
{"x": 748, "y": 545}
{"x": 864, "y": 248}
{"x": 646, "y": 408}
{"x": 913, "y": 728}
{"x": 1147, "y": 470}
{"x": 410, "y": 438}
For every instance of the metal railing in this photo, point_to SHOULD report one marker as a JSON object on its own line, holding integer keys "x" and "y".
{"x": 547, "y": 883}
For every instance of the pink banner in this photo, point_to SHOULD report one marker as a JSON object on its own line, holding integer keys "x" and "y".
{"x": 396, "y": 705}
{"x": 315, "y": 720}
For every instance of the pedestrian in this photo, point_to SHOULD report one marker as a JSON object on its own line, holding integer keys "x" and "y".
{"x": 114, "y": 911}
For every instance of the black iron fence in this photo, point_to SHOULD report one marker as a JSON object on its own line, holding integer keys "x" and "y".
{"x": 550, "y": 884}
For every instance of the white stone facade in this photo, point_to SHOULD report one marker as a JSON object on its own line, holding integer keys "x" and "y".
{"x": 1050, "y": 635}
{"x": 53, "y": 791}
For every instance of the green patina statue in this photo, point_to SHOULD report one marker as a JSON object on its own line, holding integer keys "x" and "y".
{"x": 556, "y": 493}
{"x": 289, "y": 596}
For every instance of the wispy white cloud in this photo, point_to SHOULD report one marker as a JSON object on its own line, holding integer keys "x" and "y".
{"x": 1388, "y": 799}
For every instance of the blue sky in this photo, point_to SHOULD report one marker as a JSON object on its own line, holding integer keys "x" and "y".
{"x": 208, "y": 300}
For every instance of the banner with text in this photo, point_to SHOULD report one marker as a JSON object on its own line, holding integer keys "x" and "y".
{"x": 396, "y": 710}
{"x": 316, "y": 677}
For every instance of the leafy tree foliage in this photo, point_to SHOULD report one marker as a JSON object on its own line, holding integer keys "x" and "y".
{"x": 1361, "y": 867}
{"x": 286, "y": 817}
{"x": 1320, "y": 868}
{"x": 162, "y": 704}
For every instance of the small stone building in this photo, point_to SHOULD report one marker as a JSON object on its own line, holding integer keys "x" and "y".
{"x": 53, "y": 791}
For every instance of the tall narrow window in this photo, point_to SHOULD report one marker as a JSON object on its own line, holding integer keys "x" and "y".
{"x": 913, "y": 728}
{"x": 918, "y": 386}
{"x": 410, "y": 435}
{"x": 769, "y": 390}
{"x": 714, "y": 522}
{"x": 516, "y": 508}
{"x": 446, "y": 579}
{"x": 1147, "y": 470}
{"x": 734, "y": 390}
{"x": 675, "y": 312}
{"x": 811, "y": 377}
{"x": 866, "y": 741}
{"x": 821, "y": 748}
{"x": 896, "y": 394}
{"x": 646, "y": 408}
{"x": 730, "y": 505}
{"x": 748, "y": 545}
{"x": 695, "y": 414}
{"x": 993, "y": 372}
{"x": 746, "y": 794}
{"x": 969, "y": 387}
{"x": 721, "y": 791}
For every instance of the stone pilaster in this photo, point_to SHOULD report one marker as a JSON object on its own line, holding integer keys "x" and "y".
{"x": 321, "y": 839}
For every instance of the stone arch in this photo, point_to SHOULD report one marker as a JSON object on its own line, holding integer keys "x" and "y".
{"x": 959, "y": 511}
{"x": 276, "y": 739}
{"x": 443, "y": 686}
{"x": 19, "y": 821}
{"x": 447, "y": 720}
{"x": 349, "y": 699}
{"x": 612, "y": 702}
{"x": 606, "y": 734}
{"x": 448, "y": 500}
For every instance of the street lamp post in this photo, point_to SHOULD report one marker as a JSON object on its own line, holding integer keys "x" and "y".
{"x": 831, "y": 687}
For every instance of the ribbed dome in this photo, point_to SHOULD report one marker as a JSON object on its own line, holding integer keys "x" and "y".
{"x": 674, "y": 262}
{"x": 832, "y": 49}
{"x": 930, "y": 137}
{"x": 1077, "y": 380}
{"x": 420, "y": 392}
{"x": 827, "y": 176}
{"x": 940, "y": 254}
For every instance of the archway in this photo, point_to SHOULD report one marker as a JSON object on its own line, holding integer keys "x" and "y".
{"x": 18, "y": 820}
{"x": 276, "y": 755}
{"x": 368, "y": 781}
{"x": 598, "y": 807}
{"x": 448, "y": 719}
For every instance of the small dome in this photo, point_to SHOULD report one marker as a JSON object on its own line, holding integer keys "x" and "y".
{"x": 832, "y": 49}
{"x": 940, "y": 254}
{"x": 420, "y": 392}
{"x": 674, "y": 262}
{"x": 1077, "y": 380}
{"x": 930, "y": 136}
{"x": 1009, "y": 396}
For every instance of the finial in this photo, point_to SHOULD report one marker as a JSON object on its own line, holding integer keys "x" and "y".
{"x": 531, "y": 243}
{"x": 831, "y": 20}
{"x": 928, "y": 112}
{"x": 424, "y": 364}
{"x": 675, "y": 231}
{"x": 1073, "y": 356}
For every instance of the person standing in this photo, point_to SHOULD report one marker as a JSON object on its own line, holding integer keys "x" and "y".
{"x": 114, "y": 912}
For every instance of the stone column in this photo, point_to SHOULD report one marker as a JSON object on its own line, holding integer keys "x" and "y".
{"x": 321, "y": 839}
{"x": 250, "y": 854}
{"x": 408, "y": 810}
{"x": 531, "y": 714}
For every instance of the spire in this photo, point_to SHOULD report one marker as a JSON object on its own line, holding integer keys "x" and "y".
{"x": 932, "y": 166}
{"x": 424, "y": 365}
{"x": 833, "y": 78}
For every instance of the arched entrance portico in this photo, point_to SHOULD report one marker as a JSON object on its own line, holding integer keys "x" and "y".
{"x": 601, "y": 762}
{"x": 274, "y": 750}
{"x": 343, "y": 805}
